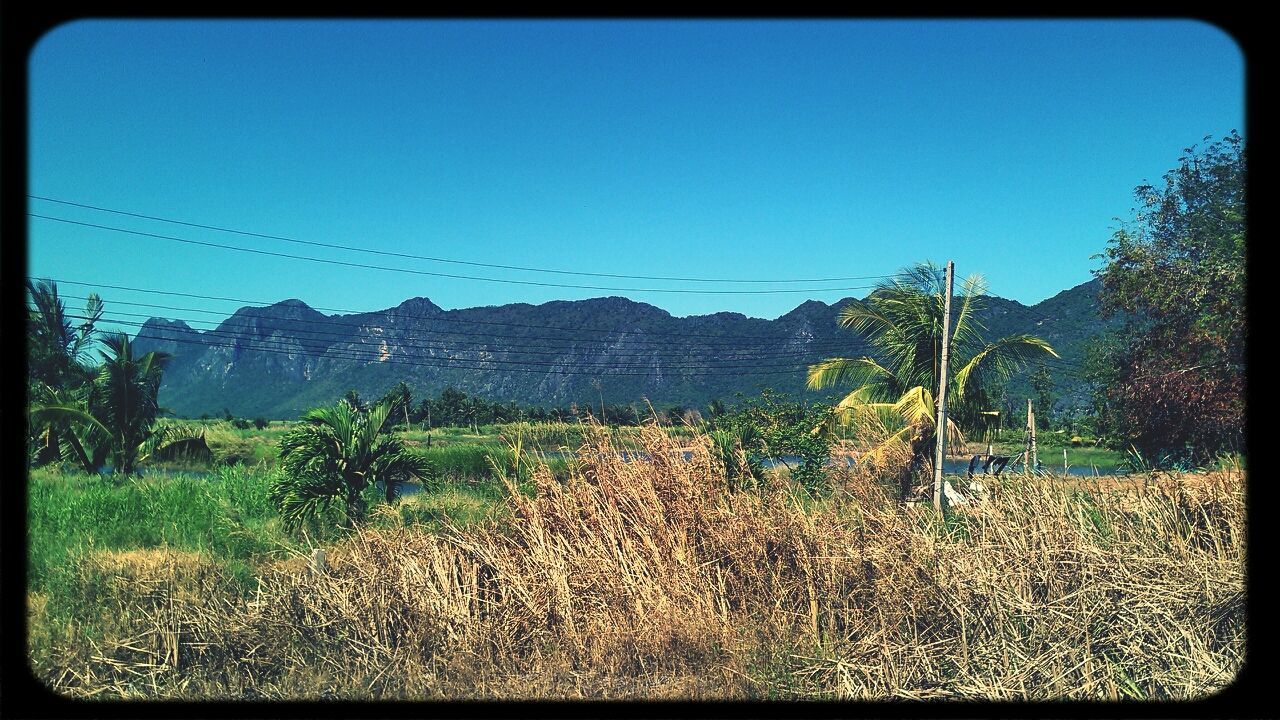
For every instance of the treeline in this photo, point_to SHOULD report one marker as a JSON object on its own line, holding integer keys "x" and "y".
{"x": 455, "y": 408}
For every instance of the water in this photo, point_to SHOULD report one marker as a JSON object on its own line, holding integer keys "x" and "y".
{"x": 951, "y": 466}
{"x": 161, "y": 472}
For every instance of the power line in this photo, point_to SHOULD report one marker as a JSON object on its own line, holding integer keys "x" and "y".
{"x": 373, "y": 357}
{"x": 371, "y": 251}
{"x": 410, "y": 271}
{"x": 330, "y": 347}
{"x": 402, "y": 340}
{"x": 420, "y": 318}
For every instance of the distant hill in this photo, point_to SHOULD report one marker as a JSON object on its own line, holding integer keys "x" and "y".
{"x": 280, "y": 360}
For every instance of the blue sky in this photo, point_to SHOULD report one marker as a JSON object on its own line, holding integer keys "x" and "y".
{"x": 729, "y": 149}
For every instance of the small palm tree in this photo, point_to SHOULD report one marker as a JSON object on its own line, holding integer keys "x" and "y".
{"x": 125, "y": 397}
{"x": 334, "y": 455}
{"x": 902, "y": 319}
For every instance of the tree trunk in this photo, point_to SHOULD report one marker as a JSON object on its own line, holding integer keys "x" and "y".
{"x": 355, "y": 510}
{"x": 921, "y": 446}
{"x": 85, "y": 462}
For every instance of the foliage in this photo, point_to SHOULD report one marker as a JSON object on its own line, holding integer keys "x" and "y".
{"x": 57, "y": 369}
{"x": 1173, "y": 384}
{"x": 1042, "y": 388}
{"x": 56, "y": 348}
{"x": 583, "y": 587}
{"x": 334, "y": 455}
{"x": 731, "y": 445}
{"x": 400, "y": 400}
{"x": 903, "y": 321}
{"x": 771, "y": 426}
{"x": 113, "y": 419}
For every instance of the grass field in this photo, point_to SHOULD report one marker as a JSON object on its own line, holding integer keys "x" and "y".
{"x": 648, "y": 579}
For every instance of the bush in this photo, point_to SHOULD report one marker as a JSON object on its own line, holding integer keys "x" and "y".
{"x": 773, "y": 427}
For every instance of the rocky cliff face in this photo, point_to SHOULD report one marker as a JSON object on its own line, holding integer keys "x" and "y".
{"x": 279, "y": 360}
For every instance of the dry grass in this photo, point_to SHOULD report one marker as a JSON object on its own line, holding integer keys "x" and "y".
{"x": 652, "y": 579}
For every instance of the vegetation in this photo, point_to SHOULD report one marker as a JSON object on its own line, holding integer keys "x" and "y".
{"x": 1172, "y": 384}
{"x": 614, "y": 551}
{"x": 646, "y": 578}
{"x": 93, "y": 415}
{"x": 334, "y": 455}
{"x": 903, "y": 321}
{"x": 775, "y": 428}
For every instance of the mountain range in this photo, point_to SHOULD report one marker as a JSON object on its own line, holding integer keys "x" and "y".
{"x": 277, "y": 361}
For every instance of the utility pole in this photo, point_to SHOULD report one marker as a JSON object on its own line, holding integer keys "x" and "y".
{"x": 940, "y": 432}
{"x": 1029, "y": 457}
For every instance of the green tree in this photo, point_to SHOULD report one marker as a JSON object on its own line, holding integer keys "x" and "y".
{"x": 771, "y": 426}
{"x": 352, "y": 398}
{"x": 57, "y": 370}
{"x": 902, "y": 319}
{"x": 400, "y": 398}
{"x": 1173, "y": 381}
{"x": 334, "y": 455}
{"x": 114, "y": 418}
{"x": 1042, "y": 395}
{"x": 55, "y": 346}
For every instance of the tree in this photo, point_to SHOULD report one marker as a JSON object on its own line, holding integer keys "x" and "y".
{"x": 56, "y": 366}
{"x": 400, "y": 398}
{"x": 56, "y": 348}
{"x": 1173, "y": 382}
{"x": 902, "y": 319}
{"x": 771, "y": 426}
{"x": 1042, "y": 397}
{"x": 334, "y": 455}
{"x": 352, "y": 398}
{"x": 114, "y": 418}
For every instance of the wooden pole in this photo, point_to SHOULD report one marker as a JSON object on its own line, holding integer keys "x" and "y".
{"x": 940, "y": 431}
{"x": 1026, "y": 442}
{"x": 1030, "y": 459}
{"x": 1035, "y": 457}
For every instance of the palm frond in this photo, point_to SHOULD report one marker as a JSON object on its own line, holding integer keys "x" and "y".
{"x": 841, "y": 370}
{"x": 915, "y": 405}
{"x": 1002, "y": 358}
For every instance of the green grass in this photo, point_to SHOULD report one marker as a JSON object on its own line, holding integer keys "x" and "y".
{"x": 459, "y": 504}
{"x": 225, "y": 514}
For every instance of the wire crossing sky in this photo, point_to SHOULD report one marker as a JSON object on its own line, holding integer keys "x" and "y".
{"x": 661, "y": 156}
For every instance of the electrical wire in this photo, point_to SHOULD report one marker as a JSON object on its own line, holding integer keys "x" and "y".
{"x": 411, "y": 271}
{"x": 445, "y": 260}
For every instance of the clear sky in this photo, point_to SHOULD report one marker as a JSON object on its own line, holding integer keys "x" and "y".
{"x": 728, "y": 149}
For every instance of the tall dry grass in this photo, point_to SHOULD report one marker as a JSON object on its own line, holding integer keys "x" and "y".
{"x": 651, "y": 578}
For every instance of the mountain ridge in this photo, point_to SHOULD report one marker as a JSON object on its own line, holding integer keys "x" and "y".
{"x": 281, "y": 359}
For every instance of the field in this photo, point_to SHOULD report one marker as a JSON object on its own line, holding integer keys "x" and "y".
{"x": 649, "y": 578}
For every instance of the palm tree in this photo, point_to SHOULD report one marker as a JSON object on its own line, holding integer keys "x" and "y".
{"x": 114, "y": 417}
{"x": 334, "y": 455}
{"x": 55, "y": 347}
{"x": 55, "y": 362}
{"x": 902, "y": 320}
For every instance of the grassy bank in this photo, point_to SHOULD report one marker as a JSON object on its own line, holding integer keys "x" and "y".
{"x": 644, "y": 579}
